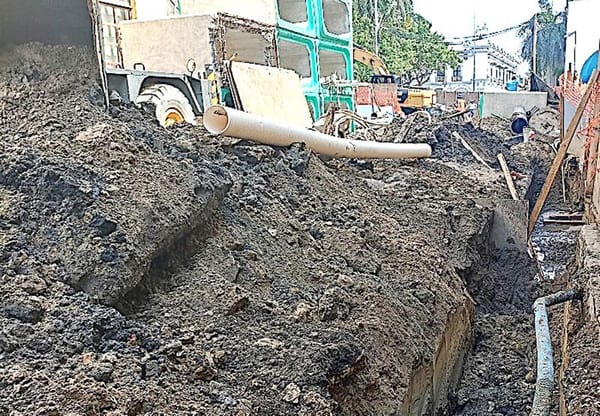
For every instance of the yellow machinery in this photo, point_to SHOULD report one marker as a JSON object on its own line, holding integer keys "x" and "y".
{"x": 410, "y": 99}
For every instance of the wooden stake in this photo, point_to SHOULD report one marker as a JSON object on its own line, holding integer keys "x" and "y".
{"x": 561, "y": 110}
{"x": 509, "y": 179}
{"x": 470, "y": 149}
{"x": 562, "y": 152}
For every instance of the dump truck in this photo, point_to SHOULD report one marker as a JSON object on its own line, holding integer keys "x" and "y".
{"x": 201, "y": 46}
{"x": 176, "y": 97}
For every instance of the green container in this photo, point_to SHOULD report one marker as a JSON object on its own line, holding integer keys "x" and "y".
{"x": 334, "y": 21}
{"x": 299, "y": 53}
{"x": 336, "y": 58}
{"x": 299, "y": 16}
{"x": 314, "y": 105}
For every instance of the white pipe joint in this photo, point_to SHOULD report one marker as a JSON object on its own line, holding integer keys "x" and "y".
{"x": 234, "y": 123}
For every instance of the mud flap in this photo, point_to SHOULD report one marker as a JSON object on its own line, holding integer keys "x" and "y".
{"x": 510, "y": 221}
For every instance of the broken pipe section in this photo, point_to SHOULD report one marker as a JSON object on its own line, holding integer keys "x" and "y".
{"x": 234, "y": 123}
{"x": 542, "y": 401}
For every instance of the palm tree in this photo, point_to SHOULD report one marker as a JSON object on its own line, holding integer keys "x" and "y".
{"x": 551, "y": 29}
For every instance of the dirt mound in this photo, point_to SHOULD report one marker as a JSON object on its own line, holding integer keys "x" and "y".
{"x": 92, "y": 186}
{"x": 167, "y": 271}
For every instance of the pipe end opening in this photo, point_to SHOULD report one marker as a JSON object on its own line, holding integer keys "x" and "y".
{"x": 216, "y": 119}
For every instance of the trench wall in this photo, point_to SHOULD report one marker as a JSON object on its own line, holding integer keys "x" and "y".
{"x": 580, "y": 325}
{"x": 431, "y": 384}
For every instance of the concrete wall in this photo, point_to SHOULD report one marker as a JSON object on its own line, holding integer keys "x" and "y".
{"x": 264, "y": 11}
{"x": 577, "y": 147}
{"x": 503, "y": 103}
{"x": 208, "y": 39}
{"x": 588, "y": 263}
{"x": 151, "y": 43}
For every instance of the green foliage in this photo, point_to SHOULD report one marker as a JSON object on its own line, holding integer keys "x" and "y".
{"x": 407, "y": 44}
{"x": 550, "y": 44}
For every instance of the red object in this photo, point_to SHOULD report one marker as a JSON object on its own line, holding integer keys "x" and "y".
{"x": 378, "y": 95}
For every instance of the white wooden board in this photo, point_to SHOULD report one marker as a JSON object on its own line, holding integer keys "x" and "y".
{"x": 273, "y": 93}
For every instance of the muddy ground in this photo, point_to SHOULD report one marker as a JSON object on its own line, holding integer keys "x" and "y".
{"x": 151, "y": 271}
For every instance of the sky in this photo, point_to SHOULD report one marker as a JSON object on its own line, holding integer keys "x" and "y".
{"x": 454, "y": 18}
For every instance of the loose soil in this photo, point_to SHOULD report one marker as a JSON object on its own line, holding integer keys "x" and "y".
{"x": 152, "y": 271}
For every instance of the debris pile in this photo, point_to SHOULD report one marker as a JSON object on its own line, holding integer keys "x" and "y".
{"x": 170, "y": 271}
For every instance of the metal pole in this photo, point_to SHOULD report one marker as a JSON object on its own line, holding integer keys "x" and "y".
{"x": 534, "y": 46}
{"x": 474, "y": 66}
{"x": 376, "y": 24}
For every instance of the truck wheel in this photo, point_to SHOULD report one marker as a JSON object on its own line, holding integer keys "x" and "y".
{"x": 170, "y": 105}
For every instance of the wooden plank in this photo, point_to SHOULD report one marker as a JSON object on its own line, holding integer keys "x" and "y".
{"x": 561, "y": 110}
{"x": 564, "y": 222}
{"x": 470, "y": 149}
{"x": 508, "y": 177}
{"x": 273, "y": 93}
{"x": 592, "y": 162}
{"x": 562, "y": 152}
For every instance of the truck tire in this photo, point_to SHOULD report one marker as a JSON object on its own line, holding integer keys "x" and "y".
{"x": 170, "y": 105}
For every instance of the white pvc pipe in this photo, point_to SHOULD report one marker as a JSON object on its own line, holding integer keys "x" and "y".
{"x": 234, "y": 123}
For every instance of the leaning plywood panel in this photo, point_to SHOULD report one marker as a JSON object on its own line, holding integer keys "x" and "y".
{"x": 166, "y": 45}
{"x": 260, "y": 10}
{"x": 273, "y": 93}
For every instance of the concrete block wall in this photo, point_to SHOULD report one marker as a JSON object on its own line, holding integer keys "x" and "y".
{"x": 503, "y": 103}
{"x": 315, "y": 40}
{"x": 207, "y": 39}
{"x": 298, "y": 16}
{"x": 327, "y": 20}
{"x": 298, "y": 52}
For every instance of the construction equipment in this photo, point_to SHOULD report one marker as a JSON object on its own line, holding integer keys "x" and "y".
{"x": 176, "y": 83}
{"x": 411, "y": 99}
{"x": 371, "y": 60}
{"x": 175, "y": 97}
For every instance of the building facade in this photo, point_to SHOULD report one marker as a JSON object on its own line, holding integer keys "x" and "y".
{"x": 491, "y": 67}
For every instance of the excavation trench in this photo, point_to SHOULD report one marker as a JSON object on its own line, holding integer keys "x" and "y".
{"x": 480, "y": 360}
{"x": 223, "y": 286}
{"x": 312, "y": 288}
